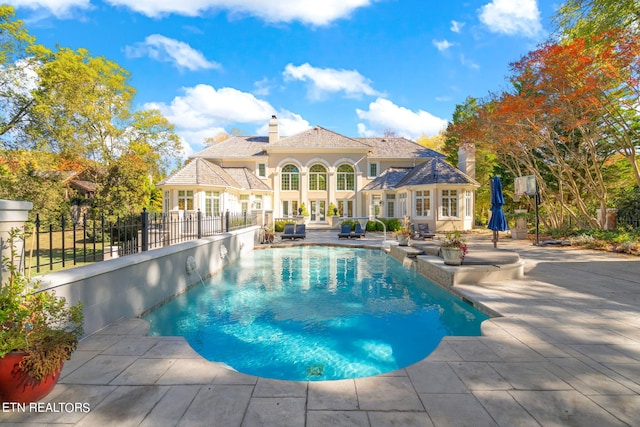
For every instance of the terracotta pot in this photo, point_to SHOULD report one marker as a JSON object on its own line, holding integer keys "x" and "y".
{"x": 18, "y": 386}
{"x": 451, "y": 256}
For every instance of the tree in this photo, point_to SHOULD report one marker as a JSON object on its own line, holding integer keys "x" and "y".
{"x": 17, "y": 65}
{"x": 588, "y": 18}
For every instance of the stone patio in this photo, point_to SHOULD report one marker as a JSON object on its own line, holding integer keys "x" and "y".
{"x": 566, "y": 351}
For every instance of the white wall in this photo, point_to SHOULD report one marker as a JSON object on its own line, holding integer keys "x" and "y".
{"x": 129, "y": 286}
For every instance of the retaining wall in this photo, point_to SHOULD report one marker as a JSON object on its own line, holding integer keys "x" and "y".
{"x": 129, "y": 286}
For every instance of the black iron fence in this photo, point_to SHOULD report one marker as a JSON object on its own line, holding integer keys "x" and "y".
{"x": 71, "y": 242}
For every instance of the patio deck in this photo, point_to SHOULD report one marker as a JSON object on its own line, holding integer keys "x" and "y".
{"x": 565, "y": 352}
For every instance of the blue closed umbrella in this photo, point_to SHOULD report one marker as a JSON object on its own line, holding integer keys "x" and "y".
{"x": 497, "y": 222}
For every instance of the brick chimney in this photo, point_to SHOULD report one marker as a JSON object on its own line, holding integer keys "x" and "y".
{"x": 274, "y": 133}
{"x": 467, "y": 158}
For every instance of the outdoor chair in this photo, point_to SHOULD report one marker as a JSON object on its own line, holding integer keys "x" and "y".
{"x": 359, "y": 231}
{"x": 300, "y": 232}
{"x": 423, "y": 231}
{"x": 288, "y": 232}
{"x": 345, "y": 231}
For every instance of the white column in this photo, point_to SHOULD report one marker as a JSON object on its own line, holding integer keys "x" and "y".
{"x": 13, "y": 214}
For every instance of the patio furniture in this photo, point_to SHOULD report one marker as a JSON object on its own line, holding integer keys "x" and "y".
{"x": 345, "y": 231}
{"x": 289, "y": 232}
{"x": 359, "y": 231}
{"x": 300, "y": 232}
{"x": 423, "y": 231}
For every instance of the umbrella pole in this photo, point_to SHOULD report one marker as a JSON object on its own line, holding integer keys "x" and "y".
{"x": 495, "y": 238}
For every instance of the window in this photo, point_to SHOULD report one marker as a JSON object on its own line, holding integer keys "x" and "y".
{"x": 185, "y": 200}
{"x": 423, "y": 203}
{"x": 375, "y": 204}
{"x": 262, "y": 170}
{"x": 402, "y": 205}
{"x": 373, "y": 170}
{"x": 450, "y": 203}
{"x": 289, "y": 207}
{"x": 345, "y": 208}
{"x": 212, "y": 203}
{"x": 391, "y": 211}
{"x": 290, "y": 178}
{"x": 167, "y": 201}
{"x": 244, "y": 203}
{"x": 468, "y": 204}
{"x": 257, "y": 202}
{"x": 317, "y": 178}
{"x": 346, "y": 178}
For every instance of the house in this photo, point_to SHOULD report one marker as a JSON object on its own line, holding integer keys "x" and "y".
{"x": 272, "y": 176}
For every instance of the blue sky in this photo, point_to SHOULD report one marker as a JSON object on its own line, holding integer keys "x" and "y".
{"x": 357, "y": 67}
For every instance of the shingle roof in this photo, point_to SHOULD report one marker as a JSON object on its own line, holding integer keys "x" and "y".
{"x": 436, "y": 171}
{"x": 203, "y": 172}
{"x": 318, "y": 138}
{"x": 398, "y": 148}
{"x": 236, "y": 146}
{"x": 388, "y": 180}
{"x": 246, "y": 179}
{"x": 433, "y": 171}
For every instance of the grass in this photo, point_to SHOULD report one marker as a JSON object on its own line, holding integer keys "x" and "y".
{"x": 52, "y": 257}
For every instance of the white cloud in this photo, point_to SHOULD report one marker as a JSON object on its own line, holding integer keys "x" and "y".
{"x": 59, "y": 8}
{"x": 164, "y": 49}
{"x": 468, "y": 63}
{"x": 385, "y": 115}
{"x": 442, "y": 45}
{"x": 306, "y": 11}
{"x": 203, "y": 112}
{"x": 328, "y": 80}
{"x": 512, "y": 17}
{"x": 456, "y": 26}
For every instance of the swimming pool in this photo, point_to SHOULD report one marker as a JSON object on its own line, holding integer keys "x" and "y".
{"x": 311, "y": 313}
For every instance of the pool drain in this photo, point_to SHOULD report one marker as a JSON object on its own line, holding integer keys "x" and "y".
{"x": 315, "y": 370}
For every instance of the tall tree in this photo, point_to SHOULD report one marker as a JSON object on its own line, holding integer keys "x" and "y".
{"x": 588, "y": 18}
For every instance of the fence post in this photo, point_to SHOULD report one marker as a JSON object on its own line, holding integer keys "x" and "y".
{"x": 199, "y": 224}
{"x": 145, "y": 229}
{"x": 13, "y": 214}
{"x": 226, "y": 221}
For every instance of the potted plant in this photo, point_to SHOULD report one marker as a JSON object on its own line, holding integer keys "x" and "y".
{"x": 403, "y": 235}
{"x": 38, "y": 332}
{"x": 453, "y": 248}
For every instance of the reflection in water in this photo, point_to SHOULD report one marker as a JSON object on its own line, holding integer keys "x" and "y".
{"x": 316, "y": 313}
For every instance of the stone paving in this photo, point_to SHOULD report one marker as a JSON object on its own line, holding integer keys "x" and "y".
{"x": 566, "y": 352}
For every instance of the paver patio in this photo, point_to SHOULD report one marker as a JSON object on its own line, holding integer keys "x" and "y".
{"x": 566, "y": 352}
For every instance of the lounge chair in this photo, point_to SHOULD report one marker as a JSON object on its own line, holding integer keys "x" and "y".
{"x": 300, "y": 232}
{"x": 423, "y": 231}
{"x": 288, "y": 232}
{"x": 359, "y": 231}
{"x": 345, "y": 231}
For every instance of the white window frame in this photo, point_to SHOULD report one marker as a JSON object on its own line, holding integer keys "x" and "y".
{"x": 185, "y": 200}
{"x": 448, "y": 203}
{"x": 257, "y": 202}
{"x": 211, "y": 203}
{"x": 318, "y": 179}
{"x": 468, "y": 204}
{"x": 167, "y": 201}
{"x": 346, "y": 179}
{"x": 377, "y": 171}
{"x": 422, "y": 196}
{"x": 290, "y": 181}
{"x": 263, "y": 173}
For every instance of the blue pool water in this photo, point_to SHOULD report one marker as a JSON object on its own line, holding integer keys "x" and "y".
{"x": 315, "y": 313}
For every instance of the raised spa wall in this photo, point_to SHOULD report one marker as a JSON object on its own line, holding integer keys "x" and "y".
{"x": 129, "y": 286}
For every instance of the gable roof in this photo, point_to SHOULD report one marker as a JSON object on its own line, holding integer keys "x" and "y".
{"x": 398, "y": 148}
{"x": 433, "y": 171}
{"x": 317, "y": 138}
{"x": 203, "y": 172}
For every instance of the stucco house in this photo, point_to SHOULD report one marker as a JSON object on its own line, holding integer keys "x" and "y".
{"x": 272, "y": 176}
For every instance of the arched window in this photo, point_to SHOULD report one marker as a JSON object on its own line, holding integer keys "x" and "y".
{"x": 317, "y": 178}
{"x": 346, "y": 178}
{"x": 290, "y": 178}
